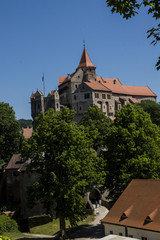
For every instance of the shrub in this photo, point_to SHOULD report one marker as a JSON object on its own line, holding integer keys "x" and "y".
{"x": 5, "y": 238}
{"x": 7, "y": 225}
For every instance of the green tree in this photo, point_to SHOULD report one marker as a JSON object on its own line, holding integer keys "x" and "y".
{"x": 133, "y": 149}
{"x": 153, "y": 109}
{"x": 97, "y": 126}
{"x": 130, "y": 8}
{"x": 9, "y": 133}
{"x": 67, "y": 166}
{"x": 24, "y": 123}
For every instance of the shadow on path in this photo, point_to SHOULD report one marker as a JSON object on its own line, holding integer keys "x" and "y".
{"x": 89, "y": 231}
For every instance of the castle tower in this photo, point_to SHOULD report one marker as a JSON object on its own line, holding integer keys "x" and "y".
{"x": 87, "y": 66}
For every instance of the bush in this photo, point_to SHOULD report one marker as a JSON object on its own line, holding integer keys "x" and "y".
{"x": 7, "y": 225}
{"x": 5, "y": 238}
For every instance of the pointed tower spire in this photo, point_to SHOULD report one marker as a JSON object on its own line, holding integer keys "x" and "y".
{"x": 85, "y": 60}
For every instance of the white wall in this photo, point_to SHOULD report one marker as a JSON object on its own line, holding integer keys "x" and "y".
{"x": 135, "y": 232}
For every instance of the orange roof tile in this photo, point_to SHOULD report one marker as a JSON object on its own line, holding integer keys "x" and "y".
{"x": 95, "y": 85}
{"x": 51, "y": 93}
{"x": 139, "y": 201}
{"x": 124, "y": 89}
{"x": 33, "y": 95}
{"x": 130, "y": 90}
{"x": 134, "y": 100}
{"x": 27, "y": 132}
{"x": 40, "y": 92}
{"x": 61, "y": 80}
{"x": 85, "y": 60}
{"x": 109, "y": 80}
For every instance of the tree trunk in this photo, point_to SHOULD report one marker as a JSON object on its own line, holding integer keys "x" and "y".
{"x": 62, "y": 227}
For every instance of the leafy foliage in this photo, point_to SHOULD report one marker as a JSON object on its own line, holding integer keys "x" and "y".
{"x": 7, "y": 224}
{"x": 61, "y": 150}
{"x": 97, "y": 126}
{"x": 9, "y": 133}
{"x": 24, "y": 123}
{"x": 5, "y": 238}
{"x": 133, "y": 149}
{"x": 153, "y": 109}
{"x": 130, "y": 8}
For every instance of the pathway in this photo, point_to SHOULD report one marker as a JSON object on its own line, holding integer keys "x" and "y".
{"x": 92, "y": 231}
{"x": 95, "y": 229}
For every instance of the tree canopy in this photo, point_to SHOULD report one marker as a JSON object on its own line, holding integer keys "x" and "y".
{"x": 24, "y": 123}
{"x": 97, "y": 125}
{"x": 133, "y": 149}
{"x": 130, "y": 8}
{"x": 9, "y": 133}
{"x": 62, "y": 154}
{"x": 153, "y": 109}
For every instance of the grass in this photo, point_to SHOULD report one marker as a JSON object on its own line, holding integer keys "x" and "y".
{"x": 52, "y": 228}
{"x": 16, "y": 235}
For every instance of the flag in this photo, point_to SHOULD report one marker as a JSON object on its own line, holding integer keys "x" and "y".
{"x": 43, "y": 78}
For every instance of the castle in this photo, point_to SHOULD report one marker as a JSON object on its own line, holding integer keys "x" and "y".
{"x": 83, "y": 88}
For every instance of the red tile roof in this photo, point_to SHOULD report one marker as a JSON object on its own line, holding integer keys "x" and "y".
{"x": 40, "y": 92}
{"x": 27, "y": 132}
{"x": 51, "y": 93}
{"x": 95, "y": 85}
{"x": 85, "y": 60}
{"x": 33, "y": 95}
{"x": 61, "y": 80}
{"x": 138, "y": 206}
{"x": 129, "y": 90}
{"x": 109, "y": 80}
{"x": 15, "y": 162}
{"x": 134, "y": 100}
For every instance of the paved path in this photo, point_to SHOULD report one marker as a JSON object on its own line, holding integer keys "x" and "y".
{"x": 95, "y": 230}
{"x": 92, "y": 231}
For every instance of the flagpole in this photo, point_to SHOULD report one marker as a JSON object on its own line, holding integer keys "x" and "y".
{"x": 43, "y": 84}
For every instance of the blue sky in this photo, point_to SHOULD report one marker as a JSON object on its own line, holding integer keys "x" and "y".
{"x": 47, "y": 36}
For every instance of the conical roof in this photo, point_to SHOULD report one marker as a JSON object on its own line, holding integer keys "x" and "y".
{"x": 85, "y": 60}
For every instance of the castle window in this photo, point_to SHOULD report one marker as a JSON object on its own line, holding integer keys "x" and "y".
{"x": 75, "y": 97}
{"x": 57, "y": 105}
{"x": 119, "y": 106}
{"x": 38, "y": 106}
{"x": 114, "y": 81}
{"x": 111, "y": 232}
{"x": 120, "y": 234}
{"x": 103, "y": 96}
{"x": 76, "y": 85}
{"x": 96, "y": 95}
{"x": 80, "y": 108}
{"x": 108, "y": 96}
{"x": 86, "y": 95}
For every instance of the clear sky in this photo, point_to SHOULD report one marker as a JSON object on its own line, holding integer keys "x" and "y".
{"x": 47, "y": 36}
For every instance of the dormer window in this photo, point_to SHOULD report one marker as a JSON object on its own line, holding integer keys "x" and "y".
{"x": 147, "y": 220}
{"x": 126, "y": 213}
{"x": 123, "y": 216}
{"x": 150, "y": 217}
{"x": 114, "y": 81}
